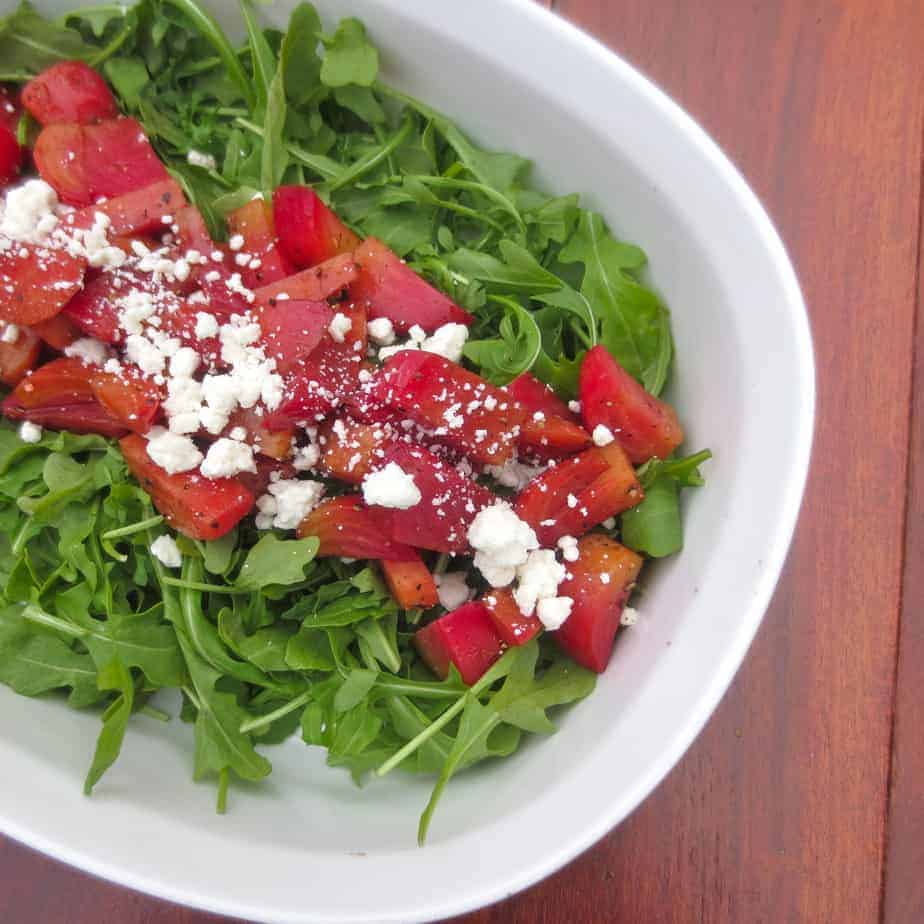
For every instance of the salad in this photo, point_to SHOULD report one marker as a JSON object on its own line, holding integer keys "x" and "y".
{"x": 316, "y": 412}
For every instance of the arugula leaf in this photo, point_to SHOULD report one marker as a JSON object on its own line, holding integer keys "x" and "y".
{"x": 33, "y": 662}
{"x": 276, "y": 561}
{"x": 349, "y": 57}
{"x": 634, "y": 322}
{"x": 114, "y": 676}
{"x": 517, "y": 272}
{"x": 261, "y": 56}
{"x": 29, "y": 43}
{"x": 654, "y": 526}
{"x": 299, "y": 55}
{"x": 220, "y": 745}
{"x": 515, "y": 351}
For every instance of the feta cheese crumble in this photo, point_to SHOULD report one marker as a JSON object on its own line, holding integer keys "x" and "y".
{"x": 226, "y": 458}
{"x": 171, "y": 451}
{"x": 87, "y": 350}
{"x": 537, "y": 579}
{"x": 391, "y": 487}
{"x": 10, "y": 334}
{"x": 339, "y": 327}
{"x": 602, "y": 435}
{"x": 629, "y": 617}
{"x": 569, "y": 548}
{"x": 502, "y": 543}
{"x": 30, "y": 432}
{"x": 166, "y": 551}
{"x": 452, "y": 589}
{"x": 554, "y": 611}
{"x": 381, "y": 331}
{"x": 287, "y": 502}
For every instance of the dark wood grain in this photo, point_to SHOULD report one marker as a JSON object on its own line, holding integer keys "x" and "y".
{"x": 904, "y": 892}
{"x": 778, "y": 813}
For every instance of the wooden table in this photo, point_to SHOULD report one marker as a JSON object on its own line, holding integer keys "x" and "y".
{"x": 803, "y": 800}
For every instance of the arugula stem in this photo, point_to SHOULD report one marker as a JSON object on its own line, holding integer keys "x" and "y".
{"x": 34, "y": 614}
{"x": 133, "y": 528}
{"x": 19, "y": 543}
{"x": 262, "y": 721}
{"x": 440, "y": 722}
{"x": 191, "y": 696}
{"x": 417, "y": 688}
{"x": 203, "y": 588}
{"x": 221, "y": 806}
{"x": 442, "y": 563}
{"x": 152, "y": 712}
{"x": 366, "y": 163}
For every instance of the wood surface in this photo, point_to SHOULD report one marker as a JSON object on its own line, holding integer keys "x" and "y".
{"x": 803, "y": 799}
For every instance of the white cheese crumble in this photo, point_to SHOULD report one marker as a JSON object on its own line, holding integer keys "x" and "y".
{"x": 554, "y": 611}
{"x": 537, "y": 579}
{"x": 30, "y": 432}
{"x": 227, "y": 458}
{"x": 10, "y": 334}
{"x": 602, "y": 435}
{"x": 629, "y": 617}
{"x": 339, "y": 327}
{"x": 171, "y": 451}
{"x": 452, "y": 589}
{"x": 574, "y": 407}
{"x": 29, "y": 214}
{"x": 166, "y": 551}
{"x": 502, "y": 543}
{"x": 569, "y": 548}
{"x": 287, "y": 503}
{"x": 87, "y": 350}
{"x": 446, "y": 341}
{"x": 199, "y": 159}
{"x": 391, "y": 487}
{"x": 206, "y": 325}
{"x": 382, "y": 331}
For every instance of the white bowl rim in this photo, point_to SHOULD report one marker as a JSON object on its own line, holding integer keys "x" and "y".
{"x": 777, "y": 548}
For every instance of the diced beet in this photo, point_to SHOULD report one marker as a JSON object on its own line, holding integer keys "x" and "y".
{"x": 254, "y": 222}
{"x": 449, "y": 502}
{"x": 86, "y": 162}
{"x": 10, "y": 156}
{"x": 201, "y": 508}
{"x": 130, "y": 399}
{"x": 36, "y": 283}
{"x": 10, "y": 107}
{"x": 58, "y": 332}
{"x": 644, "y": 425}
{"x": 537, "y": 396}
{"x": 325, "y": 377}
{"x": 292, "y": 330}
{"x": 599, "y": 583}
{"x": 509, "y": 622}
{"x": 579, "y": 493}
{"x": 392, "y": 290}
{"x": 458, "y": 407}
{"x": 410, "y": 583}
{"x": 551, "y": 438}
{"x": 316, "y": 284}
{"x": 350, "y": 449}
{"x": 88, "y": 417}
{"x": 465, "y": 637}
{"x": 139, "y": 212}
{"x": 345, "y": 529}
{"x": 69, "y": 91}
{"x": 309, "y": 232}
{"x": 18, "y": 357}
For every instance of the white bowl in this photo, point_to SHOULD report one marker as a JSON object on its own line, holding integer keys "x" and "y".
{"x": 309, "y": 846}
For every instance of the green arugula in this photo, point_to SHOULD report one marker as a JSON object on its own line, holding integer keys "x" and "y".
{"x": 263, "y": 639}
